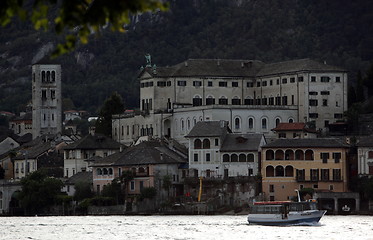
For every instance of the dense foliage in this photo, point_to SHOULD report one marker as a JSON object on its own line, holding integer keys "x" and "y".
{"x": 39, "y": 192}
{"x": 339, "y": 32}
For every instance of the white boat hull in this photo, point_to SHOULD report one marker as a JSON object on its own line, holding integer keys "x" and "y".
{"x": 309, "y": 216}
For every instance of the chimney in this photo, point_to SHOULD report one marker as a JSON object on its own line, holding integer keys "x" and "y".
{"x": 222, "y": 123}
{"x": 161, "y": 156}
{"x": 186, "y": 63}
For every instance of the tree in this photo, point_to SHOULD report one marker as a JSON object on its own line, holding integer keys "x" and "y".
{"x": 39, "y": 192}
{"x": 359, "y": 88}
{"x": 112, "y": 105}
{"x": 148, "y": 192}
{"x": 368, "y": 80}
{"x": 79, "y": 18}
{"x": 83, "y": 191}
{"x": 114, "y": 191}
{"x": 167, "y": 183}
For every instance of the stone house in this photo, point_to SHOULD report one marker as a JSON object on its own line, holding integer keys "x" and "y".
{"x": 150, "y": 161}
{"x": 77, "y": 154}
{"x": 294, "y": 130}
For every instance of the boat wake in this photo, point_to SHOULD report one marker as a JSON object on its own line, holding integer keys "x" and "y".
{"x": 312, "y": 224}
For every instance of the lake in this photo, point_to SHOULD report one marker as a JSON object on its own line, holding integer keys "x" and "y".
{"x": 178, "y": 227}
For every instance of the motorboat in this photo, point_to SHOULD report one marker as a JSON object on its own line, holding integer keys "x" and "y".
{"x": 285, "y": 213}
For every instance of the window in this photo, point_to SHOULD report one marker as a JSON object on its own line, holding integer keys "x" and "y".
{"x": 251, "y": 123}
{"x": 237, "y": 123}
{"x": 206, "y": 144}
{"x": 313, "y": 102}
{"x": 284, "y": 100}
{"x": 250, "y": 157}
{"x": 53, "y": 94}
{"x": 168, "y": 83}
{"x": 300, "y": 79}
{"x": 370, "y": 154}
{"x": 337, "y": 79}
{"x": 325, "y": 79}
{"x": 264, "y": 83}
{"x": 292, "y": 79}
{"x": 271, "y": 101}
{"x": 53, "y": 76}
{"x": 161, "y": 83}
{"x": 132, "y": 186}
{"x": 210, "y": 100}
{"x": 249, "y": 84}
{"x": 197, "y": 101}
{"x": 195, "y": 157}
{"x": 271, "y": 188}
{"x": 197, "y": 83}
{"x": 271, "y": 82}
{"x": 325, "y": 102}
{"x": 314, "y": 174}
{"x": 282, "y": 135}
{"x": 301, "y": 173}
{"x": 337, "y": 174}
{"x": 249, "y": 101}
{"x": 223, "y": 101}
{"x": 313, "y": 93}
{"x": 181, "y": 83}
{"x": 251, "y": 171}
{"x": 236, "y": 101}
{"x": 284, "y": 80}
{"x": 209, "y": 84}
{"x": 216, "y": 141}
{"x": 313, "y": 115}
{"x": 324, "y": 157}
{"x": 264, "y": 101}
{"x": 277, "y": 81}
{"x": 225, "y": 158}
{"x": 44, "y": 94}
{"x": 258, "y": 84}
{"x": 264, "y": 123}
{"x": 223, "y": 84}
{"x": 278, "y": 100}
{"x": 234, "y": 84}
{"x": 208, "y": 157}
{"x": 325, "y": 93}
{"x": 197, "y": 144}
{"x": 337, "y": 157}
{"x": 313, "y": 79}
{"x": 338, "y": 115}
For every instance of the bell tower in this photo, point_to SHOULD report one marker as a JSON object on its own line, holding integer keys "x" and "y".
{"x": 46, "y": 99}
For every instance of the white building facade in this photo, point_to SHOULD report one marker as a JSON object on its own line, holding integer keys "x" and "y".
{"x": 253, "y": 97}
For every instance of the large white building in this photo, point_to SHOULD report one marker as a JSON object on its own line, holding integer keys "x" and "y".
{"x": 46, "y": 99}
{"x": 252, "y": 96}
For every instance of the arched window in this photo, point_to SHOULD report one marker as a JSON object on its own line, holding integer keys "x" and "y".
{"x": 99, "y": 171}
{"x": 270, "y": 171}
{"x": 197, "y": 144}
{"x": 210, "y": 100}
{"x": 237, "y": 123}
{"x": 289, "y": 171}
{"x": 234, "y": 158}
{"x": 291, "y": 120}
{"x": 250, "y": 157}
{"x": 264, "y": 123}
{"x": 188, "y": 124}
{"x": 251, "y": 123}
{"x": 194, "y": 121}
{"x": 279, "y": 155}
{"x": 225, "y": 158}
{"x": 223, "y": 100}
{"x": 270, "y": 155}
{"x": 197, "y": 101}
{"x": 279, "y": 171}
{"x": 242, "y": 158}
{"x": 53, "y": 76}
{"x": 43, "y": 76}
{"x": 206, "y": 143}
{"x": 182, "y": 124}
{"x": 299, "y": 155}
{"x": 278, "y": 120}
{"x": 249, "y": 101}
{"x": 309, "y": 155}
{"x": 141, "y": 170}
{"x": 110, "y": 171}
{"x": 236, "y": 101}
{"x": 105, "y": 171}
{"x": 48, "y": 76}
{"x": 289, "y": 155}
{"x": 133, "y": 170}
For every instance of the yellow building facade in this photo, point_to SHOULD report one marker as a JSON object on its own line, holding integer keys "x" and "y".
{"x": 294, "y": 164}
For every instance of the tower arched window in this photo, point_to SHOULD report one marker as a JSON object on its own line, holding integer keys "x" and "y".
{"x": 48, "y": 76}
{"x": 278, "y": 120}
{"x": 264, "y": 123}
{"x": 237, "y": 123}
{"x": 53, "y": 76}
{"x": 43, "y": 76}
{"x": 251, "y": 123}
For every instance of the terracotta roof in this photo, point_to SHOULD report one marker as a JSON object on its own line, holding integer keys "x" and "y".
{"x": 209, "y": 129}
{"x": 241, "y": 142}
{"x": 307, "y": 143}
{"x": 290, "y": 127}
